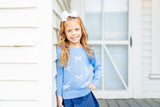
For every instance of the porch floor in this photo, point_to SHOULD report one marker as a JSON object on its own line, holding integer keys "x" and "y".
{"x": 129, "y": 102}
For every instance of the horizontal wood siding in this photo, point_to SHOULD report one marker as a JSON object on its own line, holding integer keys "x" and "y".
{"x": 25, "y": 79}
{"x": 18, "y": 53}
{"x": 150, "y": 87}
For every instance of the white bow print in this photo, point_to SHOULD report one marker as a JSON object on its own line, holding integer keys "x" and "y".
{"x": 66, "y": 87}
{"x": 65, "y": 15}
{"x": 77, "y": 58}
{"x": 79, "y": 77}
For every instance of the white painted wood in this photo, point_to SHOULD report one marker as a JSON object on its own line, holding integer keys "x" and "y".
{"x": 18, "y": 18}
{"x": 26, "y": 57}
{"x": 54, "y": 85}
{"x": 148, "y": 80}
{"x": 19, "y": 103}
{"x": 111, "y": 94}
{"x": 146, "y": 18}
{"x": 103, "y": 46}
{"x": 146, "y": 25}
{"x": 55, "y": 37}
{"x": 16, "y": 36}
{"x": 69, "y": 3}
{"x": 155, "y": 38}
{"x": 18, "y": 90}
{"x": 146, "y": 52}
{"x": 18, "y": 3}
{"x": 109, "y": 42}
{"x": 18, "y": 55}
{"x": 146, "y": 32}
{"x": 54, "y": 53}
{"x": 66, "y": 5}
{"x": 137, "y": 48}
{"x": 146, "y": 4}
{"x": 151, "y": 95}
{"x": 57, "y": 13}
{"x": 102, "y": 50}
{"x": 146, "y": 11}
{"x": 18, "y": 72}
{"x": 155, "y": 75}
{"x": 54, "y": 69}
{"x": 60, "y": 4}
{"x": 45, "y": 53}
{"x": 58, "y": 7}
{"x": 131, "y": 56}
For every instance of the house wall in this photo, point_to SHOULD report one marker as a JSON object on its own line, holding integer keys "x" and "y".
{"x": 150, "y": 88}
{"x": 26, "y": 53}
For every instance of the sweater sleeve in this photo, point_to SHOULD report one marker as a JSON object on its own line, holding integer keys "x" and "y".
{"x": 97, "y": 70}
{"x": 59, "y": 76}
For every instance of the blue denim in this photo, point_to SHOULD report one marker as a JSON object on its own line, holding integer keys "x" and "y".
{"x": 88, "y": 100}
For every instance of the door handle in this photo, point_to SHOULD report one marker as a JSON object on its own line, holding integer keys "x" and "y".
{"x": 130, "y": 41}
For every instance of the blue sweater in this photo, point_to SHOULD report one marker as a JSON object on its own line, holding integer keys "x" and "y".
{"x": 72, "y": 82}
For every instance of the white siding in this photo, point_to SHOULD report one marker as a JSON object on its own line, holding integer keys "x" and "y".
{"x": 58, "y": 7}
{"x": 150, "y": 87}
{"x": 155, "y": 39}
{"x": 25, "y": 53}
{"x": 18, "y": 53}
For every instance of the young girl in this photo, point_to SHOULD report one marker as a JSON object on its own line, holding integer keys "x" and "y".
{"x": 75, "y": 61}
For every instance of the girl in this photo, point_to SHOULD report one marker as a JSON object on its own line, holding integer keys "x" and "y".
{"x": 74, "y": 60}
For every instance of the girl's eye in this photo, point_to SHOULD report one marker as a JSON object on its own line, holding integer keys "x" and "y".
{"x": 69, "y": 30}
{"x": 77, "y": 29}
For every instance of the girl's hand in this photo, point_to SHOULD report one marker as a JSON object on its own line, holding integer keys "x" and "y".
{"x": 60, "y": 100}
{"x": 91, "y": 86}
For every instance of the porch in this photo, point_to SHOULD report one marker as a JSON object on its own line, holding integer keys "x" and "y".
{"x": 129, "y": 102}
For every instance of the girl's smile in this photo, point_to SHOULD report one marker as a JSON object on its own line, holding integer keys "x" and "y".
{"x": 74, "y": 38}
{"x": 73, "y": 32}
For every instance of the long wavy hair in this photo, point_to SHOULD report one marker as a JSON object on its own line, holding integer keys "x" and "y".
{"x": 64, "y": 42}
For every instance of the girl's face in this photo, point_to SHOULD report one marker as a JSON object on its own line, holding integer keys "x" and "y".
{"x": 73, "y": 32}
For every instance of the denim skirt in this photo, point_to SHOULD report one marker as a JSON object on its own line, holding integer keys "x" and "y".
{"x": 88, "y": 100}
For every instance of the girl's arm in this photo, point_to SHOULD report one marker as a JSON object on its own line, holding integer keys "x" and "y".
{"x": 60, "y": 100}
{"x": 59, "y": 79}
{"x": 97, "y": 71}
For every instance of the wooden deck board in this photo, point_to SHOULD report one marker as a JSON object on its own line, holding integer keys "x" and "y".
{"x": 129, "y": 102}
{"x": 132, "y": 103}
{"x": 122, "y": 103}
{"x": 112, "y": 103}
{"x": 157, "y": 101}
{"x": 152, "y": 103}
{"x": 142, "y": 103}
{"x": 102, "y": 103}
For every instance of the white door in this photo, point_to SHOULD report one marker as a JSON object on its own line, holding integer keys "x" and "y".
{"x": 108, "y": 25}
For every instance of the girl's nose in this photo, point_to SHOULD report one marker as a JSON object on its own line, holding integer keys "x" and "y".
{"x": 73, "y": 32}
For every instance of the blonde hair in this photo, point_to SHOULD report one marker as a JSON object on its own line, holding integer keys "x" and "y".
{"x": 64, "y": 42}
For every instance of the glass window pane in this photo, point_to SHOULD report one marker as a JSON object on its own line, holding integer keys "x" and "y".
{"x": 120, "y": 58}
{"x": 116, "y": 19}
{"x": 93, "y": 19}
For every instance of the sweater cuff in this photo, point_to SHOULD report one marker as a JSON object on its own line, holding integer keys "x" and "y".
{"x": 58, "y": 92}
